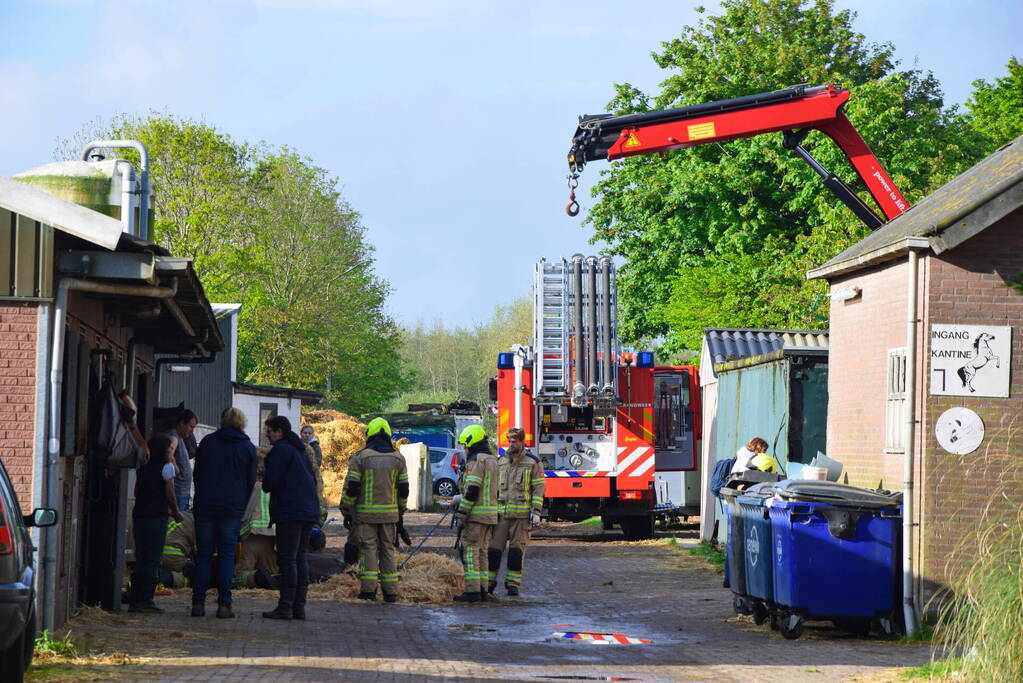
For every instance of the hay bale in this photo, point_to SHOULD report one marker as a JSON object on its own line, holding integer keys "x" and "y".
{"x": 428, "y": 578}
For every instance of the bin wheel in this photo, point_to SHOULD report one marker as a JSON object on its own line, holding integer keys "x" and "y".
{"x": 760, "y": 613}
{"x": 860, "y": 627}
{"x": 791, "y": 626}
{"x": 741, "y": 605}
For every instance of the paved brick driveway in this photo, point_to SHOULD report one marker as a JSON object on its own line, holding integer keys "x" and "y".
{"x": 577, "y": 576}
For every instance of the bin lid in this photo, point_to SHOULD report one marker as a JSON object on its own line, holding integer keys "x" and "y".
{"x": 747, "y": 478}
{"x": 834, "y": 493}
{"x": 758, "y": 493}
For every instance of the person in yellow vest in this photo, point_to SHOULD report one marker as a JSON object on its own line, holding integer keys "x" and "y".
{"x": 520, "y": 494}
{"x": 178, "y": 556}
{"x": 476, "y": 511}
{"x": 373, "y": 502}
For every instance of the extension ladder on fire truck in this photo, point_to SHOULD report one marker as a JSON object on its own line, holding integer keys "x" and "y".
{"x": 551, "y": 308}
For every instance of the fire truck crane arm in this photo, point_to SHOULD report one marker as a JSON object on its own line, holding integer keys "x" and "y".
{"x": 794, "y": 111}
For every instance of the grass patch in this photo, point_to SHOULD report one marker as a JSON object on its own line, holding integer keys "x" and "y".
{"x": 982, "y": 609}
{"x": 46, "y": 644}
{"x": 709, "y": 553}
{"x": 935, "y": 671}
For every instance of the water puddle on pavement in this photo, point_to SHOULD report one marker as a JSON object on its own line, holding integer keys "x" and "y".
{"x": 555, "y": 629}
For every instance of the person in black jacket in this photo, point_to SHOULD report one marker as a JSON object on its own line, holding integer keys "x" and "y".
{"x": 224, "y": 474}
{"x": 294, "y": 508}
{"x": 154, "y": 497}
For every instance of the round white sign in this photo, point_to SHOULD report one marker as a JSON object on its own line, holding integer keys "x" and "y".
{"x": 959, "y": 430}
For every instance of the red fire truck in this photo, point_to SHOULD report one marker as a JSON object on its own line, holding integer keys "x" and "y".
{"x": 618, "y": 437}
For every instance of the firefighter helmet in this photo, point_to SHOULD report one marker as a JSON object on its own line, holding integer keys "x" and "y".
{"x": 764, "y": 462}
{"x": 376, "y": 425}
{"x": 471, "y": 436}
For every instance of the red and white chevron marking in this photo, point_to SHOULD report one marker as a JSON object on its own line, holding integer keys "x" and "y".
{"x": 635, "y": 461}
{"x": 599, "y": 638}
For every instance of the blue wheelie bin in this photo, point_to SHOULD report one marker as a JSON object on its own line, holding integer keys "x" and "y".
{"x": 756, "y": 525}
{"x": 836, "y": 549}
{"x": 735, "y": 550}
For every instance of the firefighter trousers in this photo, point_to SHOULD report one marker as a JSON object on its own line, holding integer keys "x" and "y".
{"x": 377, "y": 561}
{"x": 475, "y": 544}
{"x": 515, "y": 534}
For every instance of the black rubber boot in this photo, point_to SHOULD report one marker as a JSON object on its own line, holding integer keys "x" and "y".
{"x": 468, "y": 597}
{"x": 282, "y": 611}
{"x": 224, "y": 612}
{"x": 391, "y": 597}
{"x": 366, "y": 595}
{"x": 198, "y": 609}
{"x": 512, "y": 589}
{"x": 491, "y": 587}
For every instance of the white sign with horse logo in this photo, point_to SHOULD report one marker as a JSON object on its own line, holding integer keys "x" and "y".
{"x": 970, "y": 360}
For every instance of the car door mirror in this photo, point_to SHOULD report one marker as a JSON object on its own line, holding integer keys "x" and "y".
{"x": 41, "y": 517}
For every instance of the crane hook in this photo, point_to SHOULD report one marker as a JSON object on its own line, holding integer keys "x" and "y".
{"x": 572, "y": 208}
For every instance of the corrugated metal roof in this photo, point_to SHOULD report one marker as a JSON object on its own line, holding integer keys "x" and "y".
{"x": 61, "y": 214}
{"x": 727, "y": 344}
{"x": 220, "y": 310}
{"x": 945, "y": 218}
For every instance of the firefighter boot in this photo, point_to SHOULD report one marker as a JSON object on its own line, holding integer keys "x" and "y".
{"x": 390, "y": 597}
{"x": 469, "y": 596}
{"x": 513, "y": 590}
{"x": 366, "y": 595}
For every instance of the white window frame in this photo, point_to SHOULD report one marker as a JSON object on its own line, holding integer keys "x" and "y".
{"x": 895, "y": 401}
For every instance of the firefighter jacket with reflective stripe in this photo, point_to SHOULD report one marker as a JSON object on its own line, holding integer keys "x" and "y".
{"x": 257, "y": 514}
{"x": 376, "y": 488}
{"x": 522, "y": 485}
{"x": 482, "y": 473}
{"x": 180, "y": 536}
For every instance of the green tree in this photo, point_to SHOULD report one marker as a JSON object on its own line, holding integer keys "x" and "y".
{"x": 723, "y": 234}
{"x": 267, "y": 228}
{"x": 997, "y": 109}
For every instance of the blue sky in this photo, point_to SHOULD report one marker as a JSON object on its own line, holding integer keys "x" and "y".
{"x": 446, "y": 121}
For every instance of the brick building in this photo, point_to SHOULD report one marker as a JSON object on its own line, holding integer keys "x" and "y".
{"x": 81, "y": 302}
{"x": 959, "y": 250}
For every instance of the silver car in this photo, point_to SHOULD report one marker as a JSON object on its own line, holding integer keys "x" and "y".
{"x": 444, "y": 464}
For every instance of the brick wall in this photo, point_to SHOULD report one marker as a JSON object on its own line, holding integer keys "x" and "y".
{"x": 19, "y": 346}
{"x": 862, "y": 330}
{"x": 967, "y": 285}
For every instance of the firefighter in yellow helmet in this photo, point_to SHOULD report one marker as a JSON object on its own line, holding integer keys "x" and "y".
{"x": 373, "y": 502}
{"x": 521, "y": 496}
{"x": 477, "y": 511}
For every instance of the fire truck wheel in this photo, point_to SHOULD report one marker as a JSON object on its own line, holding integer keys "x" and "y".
{"x": 638, "y": 528}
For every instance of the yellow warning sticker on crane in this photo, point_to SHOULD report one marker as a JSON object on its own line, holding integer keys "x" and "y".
{"x": 701, "y": 131}
{"x": 633, "y": 141}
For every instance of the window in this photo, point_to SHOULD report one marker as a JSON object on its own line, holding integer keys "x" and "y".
{"x": 436, "y": 456}
{"x": 895, "y": 403}
{"x": 266, "y": 411}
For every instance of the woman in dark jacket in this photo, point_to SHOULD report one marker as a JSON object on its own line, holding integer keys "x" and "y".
{"x": 294, "y": 508}
{"x": 224, "y": 474}
{"x": 154, "y": 497}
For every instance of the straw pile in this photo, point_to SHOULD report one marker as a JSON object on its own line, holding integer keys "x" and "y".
{"x": 341, "y": 436}
{"x": 428, "y": 578}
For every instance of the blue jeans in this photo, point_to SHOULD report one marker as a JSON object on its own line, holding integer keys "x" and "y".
{"x": 221, "y": 532}
{"x": 183, "y": 502}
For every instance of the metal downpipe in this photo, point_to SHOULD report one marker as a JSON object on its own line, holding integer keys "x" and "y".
{"x": 578, "y": 387}
{"x": 591, "y": 322}
{"x": 908, "y": 594}
{"x": 54, "y": 404}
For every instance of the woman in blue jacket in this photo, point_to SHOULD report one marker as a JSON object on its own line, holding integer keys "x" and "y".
{"x": 224, "y": 474}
